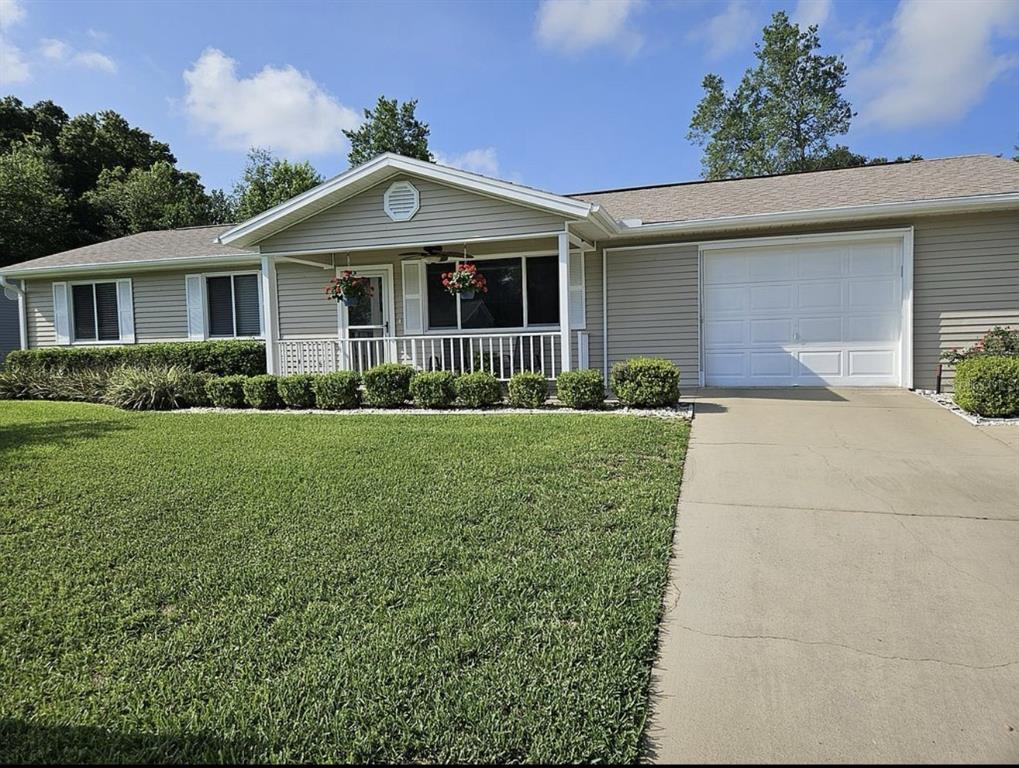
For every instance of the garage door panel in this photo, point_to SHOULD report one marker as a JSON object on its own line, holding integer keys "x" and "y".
{"x": 803, "y": 315}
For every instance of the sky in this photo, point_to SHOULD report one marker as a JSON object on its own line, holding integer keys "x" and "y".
{"x": 564, "y": 95}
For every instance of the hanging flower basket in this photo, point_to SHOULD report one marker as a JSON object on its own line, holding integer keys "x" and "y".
{"x": 464, "y": 281}
{"x": 349, "y": 288}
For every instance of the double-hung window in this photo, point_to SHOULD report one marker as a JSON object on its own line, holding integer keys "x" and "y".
{"x": 234, "y": 308}
{"x": 95, "y": 312}
{"x": 523, "y": 292}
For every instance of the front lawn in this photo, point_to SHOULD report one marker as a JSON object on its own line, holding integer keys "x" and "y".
{"x": 237, "y": 587}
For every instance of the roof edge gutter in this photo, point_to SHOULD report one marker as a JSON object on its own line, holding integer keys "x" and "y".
{"x": 825, "y": 215}
{"x": 6, "y": 286}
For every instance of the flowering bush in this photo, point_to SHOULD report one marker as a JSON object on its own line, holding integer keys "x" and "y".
{"x": 348, "y": 287}
{"x": 997, "y": 341}
{"x": 464, "y": 278}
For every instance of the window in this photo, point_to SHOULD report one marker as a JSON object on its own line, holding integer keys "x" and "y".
{"x": 94, "y": 311}
{"x": 514, "y": 284}
{"x": 233, "y": 305}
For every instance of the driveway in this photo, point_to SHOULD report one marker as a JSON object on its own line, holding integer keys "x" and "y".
{"x": 845, "y": 584}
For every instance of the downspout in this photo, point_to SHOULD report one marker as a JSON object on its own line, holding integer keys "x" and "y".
{"x": 22, "y": 309}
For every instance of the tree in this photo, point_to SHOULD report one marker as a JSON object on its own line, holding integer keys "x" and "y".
{"x": 783, "y": 115}
{"x": 143, "y": 199}
{"x": 17, "y": 122}
{"x": 390, "y": 127}
{"x": 34, "y": 218}
{"x": 268, "y": 181}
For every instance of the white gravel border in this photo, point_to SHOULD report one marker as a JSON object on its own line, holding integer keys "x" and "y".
{"x": 680, "y": 411}
{"x": 946, "y": 402}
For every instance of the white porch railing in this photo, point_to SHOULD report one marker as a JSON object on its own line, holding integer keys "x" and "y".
{"x": 502, "y": 354}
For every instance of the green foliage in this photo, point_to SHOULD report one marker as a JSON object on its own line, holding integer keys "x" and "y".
{"x": 218, "y": 357}
{"x": 988, "y": 385}
{"x": 43, "y": 121}
{"x": 335, "y": 391}
{"x": 390, "y": 127}
{"x": 387, "y": 385}
{"x": 154, "y": 388}
{"x": 645, "y": 382}
{"x": 226, "y": 391}
{"x": 477, "y": 390}
{"x": 297, "y": 391}
{"x": 35, "y": 218}
{"x": 782, "y": 116}
{"x": 1000, "y": 340}
{"x": 268, "y": 181}
{"x": 36, "y": 384}
{"x": 192, "y": 388}
{"x": 433, "y": 389}
{"x": 144, "y": 199}
{"x": 262, "y": 392}
{"x": 499, "y": 577}
{"x": 527, "y": 390}
{"x": 583, "y": 389}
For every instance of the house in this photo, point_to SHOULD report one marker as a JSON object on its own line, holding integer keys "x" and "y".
{"x": 858, "y": 277}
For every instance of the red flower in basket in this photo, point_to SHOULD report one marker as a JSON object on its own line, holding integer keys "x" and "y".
{"x": 349, "y": 288}
{"x": 464, "y": 280}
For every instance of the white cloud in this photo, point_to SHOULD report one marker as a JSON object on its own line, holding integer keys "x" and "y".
{"x": 95, "y": 60}
{"x": 575, "y": 26}
{"x": 483, "y": 160}
{"x": 11, "y": 13}
{"x": 812, "y": 12}
{"x": 731, "y": 31}
{"x": 279, "y": 108}
{"x": 13, "y": 67}
{"x": 937, "y": 63}
{"x": 54, "y": 50}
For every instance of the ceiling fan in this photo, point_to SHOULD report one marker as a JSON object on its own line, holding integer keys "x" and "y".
{"x": 435, "y": 253}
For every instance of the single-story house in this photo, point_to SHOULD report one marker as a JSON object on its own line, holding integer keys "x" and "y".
{"x": 857, "y": 277}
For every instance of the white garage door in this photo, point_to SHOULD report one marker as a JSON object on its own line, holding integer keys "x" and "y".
{"x": 803, "y": 315}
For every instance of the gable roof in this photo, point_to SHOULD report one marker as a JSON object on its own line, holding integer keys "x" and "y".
{"x": 166, "y": 247}
{"x": 367, "y": 175}
{"x": 949, "y": 178}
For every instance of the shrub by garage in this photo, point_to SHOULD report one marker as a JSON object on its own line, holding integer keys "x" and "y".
{"x": 646, "y": 382}
{"x": 988, "y": 385}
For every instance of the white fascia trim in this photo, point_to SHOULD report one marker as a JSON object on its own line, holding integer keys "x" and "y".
{"x": 397, "y": 164}
{"x": 133, "y": 266}
{"x": 825, "y": 215}
{"x": 357, "y": 248}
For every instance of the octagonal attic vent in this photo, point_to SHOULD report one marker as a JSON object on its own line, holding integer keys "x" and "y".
{"x": 401, "y": 201}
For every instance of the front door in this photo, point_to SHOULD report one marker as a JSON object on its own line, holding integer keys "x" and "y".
{"x": 370, "y": 324}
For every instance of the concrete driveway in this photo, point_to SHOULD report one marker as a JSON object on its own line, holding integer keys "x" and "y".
{"x": 845, "y": 584}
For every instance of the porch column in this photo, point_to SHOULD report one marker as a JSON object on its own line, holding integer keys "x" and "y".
{"x": 270, "y": 315}
{"x": 564, "y": 298}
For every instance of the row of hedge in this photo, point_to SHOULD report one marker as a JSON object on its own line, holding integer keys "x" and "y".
{"x": 221, "y": 358}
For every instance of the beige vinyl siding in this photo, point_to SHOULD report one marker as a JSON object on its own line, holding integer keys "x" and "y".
{"x": 593, "y": 304}
{"x": 652, "y": 307}
{"x": 304, "y": 309}
{"x": 160, "y": 306}
{"x": 446, "y": 214}
{"x": 965, "y": 281}
{"x": 39, "y": 308}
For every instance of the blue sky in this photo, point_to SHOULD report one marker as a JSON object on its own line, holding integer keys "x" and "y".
{"x": 566, "y": 95}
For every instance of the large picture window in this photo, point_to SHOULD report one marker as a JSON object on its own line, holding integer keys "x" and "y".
{"x": 522, "y": 292}
{"x": 233, "y": 305}
{"x": 95, "y": 312}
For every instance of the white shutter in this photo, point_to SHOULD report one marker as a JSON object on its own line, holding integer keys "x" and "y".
{"x": 195, "y": 285}
{"x": 578, "y": 299}
{"x": 125, "y": 311}
{"x": 413, "y": 297}
{"x": 61, "y": 313}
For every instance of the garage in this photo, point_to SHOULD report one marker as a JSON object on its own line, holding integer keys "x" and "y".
{"x": 805, "y": 312}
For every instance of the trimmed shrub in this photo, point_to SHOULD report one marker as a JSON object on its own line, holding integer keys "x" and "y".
{"x": 527, "y": 390}
{"x": 584, "y": 389}
{"x": 988, "y": 385}
{"x": 387, "y": 385}
{"x": 153, "y": 388}
{"x": 477, "y": 390}
{"x": 221, "y": 358}
{"x": 433, "y": 389}
{"x": 193, "y": 388}
{"x": 226, "y": 391}
{"x": 296, "y": 390}
{"x": 334, "y": 391}
{"x": 27, "y": 384}
{"x": 646, "y": 382}
{"x": 262, "y": 392}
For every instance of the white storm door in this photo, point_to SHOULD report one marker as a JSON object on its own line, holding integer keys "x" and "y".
{"x": 370, "y": 324}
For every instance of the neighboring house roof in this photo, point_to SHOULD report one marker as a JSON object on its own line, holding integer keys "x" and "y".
{"x": 166, "y": 245}
{"x": 921, "y": 180}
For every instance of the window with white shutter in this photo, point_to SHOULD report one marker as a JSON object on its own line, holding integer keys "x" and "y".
{"x": 94, "y": 313}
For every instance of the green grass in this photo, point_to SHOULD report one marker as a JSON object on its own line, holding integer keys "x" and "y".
{"x": 270, "y": 587}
